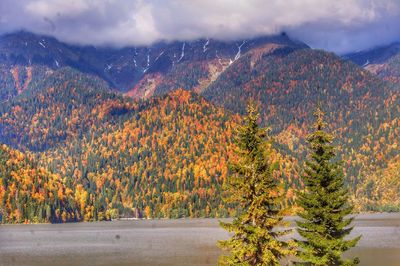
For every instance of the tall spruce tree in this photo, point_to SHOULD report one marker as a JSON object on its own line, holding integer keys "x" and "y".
{"x": 255, "y": 239}
{"x": 325, "y": 203}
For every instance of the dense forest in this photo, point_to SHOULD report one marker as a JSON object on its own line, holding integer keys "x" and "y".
{"x": 362, "y": 109}
{"x": 29, "y": 193}
{"x": 163, "y": 157}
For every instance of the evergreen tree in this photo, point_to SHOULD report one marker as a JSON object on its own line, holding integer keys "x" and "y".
{"x": 325, "y": 202}
{"x": 255, "y": 239}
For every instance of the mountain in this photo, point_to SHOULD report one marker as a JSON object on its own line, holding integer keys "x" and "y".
{"x": 167, "y": 159}
{"x": 53, "y": 109}
{"x": 383, "y": 61}
{"x": 124, "y": 68}
{"x": 377, "y": 55}
{"x": 162, "y": 157}
{"x": 139, "y": 145}
{"x": 362, "y": 109}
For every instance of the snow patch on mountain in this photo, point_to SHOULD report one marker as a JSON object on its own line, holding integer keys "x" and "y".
{"x": 183, "y": 52}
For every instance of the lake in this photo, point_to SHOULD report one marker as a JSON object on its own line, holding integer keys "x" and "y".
{"x": 163, "y": 242}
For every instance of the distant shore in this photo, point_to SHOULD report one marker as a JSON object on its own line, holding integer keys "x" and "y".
{"x": 362, "y": 215}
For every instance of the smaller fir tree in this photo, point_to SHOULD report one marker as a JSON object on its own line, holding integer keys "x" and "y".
{"x": 255, "y": 240}
{"x": 325, "y": 204}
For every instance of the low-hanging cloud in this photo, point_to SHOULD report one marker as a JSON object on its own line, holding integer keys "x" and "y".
{"x": 339, "y": 25}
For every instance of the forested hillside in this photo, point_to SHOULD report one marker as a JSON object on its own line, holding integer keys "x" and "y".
{"x": 163, "y": 157}
{"x": 362, "y": 110}
{"x": 168, "y": 159}
{"x": 54, "y": 109}
{"x": 29, "y": 193}
{"x": 287, "y": 82}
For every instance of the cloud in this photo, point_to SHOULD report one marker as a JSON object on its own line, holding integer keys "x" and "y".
{"x": 339, "y": 25}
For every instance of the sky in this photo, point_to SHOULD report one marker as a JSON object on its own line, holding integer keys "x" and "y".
{"x": 340, "y": 26}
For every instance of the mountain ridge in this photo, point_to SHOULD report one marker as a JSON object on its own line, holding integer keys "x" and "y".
{"x": 383, "y": 61}
{"x": 122, "y": 68}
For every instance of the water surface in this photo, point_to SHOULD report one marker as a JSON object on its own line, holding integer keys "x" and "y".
{"x": 163, "y": 242}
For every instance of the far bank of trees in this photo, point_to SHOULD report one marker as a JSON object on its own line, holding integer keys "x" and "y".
{"x": 324, "y": 203}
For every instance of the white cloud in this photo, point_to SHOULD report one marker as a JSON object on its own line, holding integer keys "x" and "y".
{"x": 338, "y": 25}
{"x": 52, "y": 8}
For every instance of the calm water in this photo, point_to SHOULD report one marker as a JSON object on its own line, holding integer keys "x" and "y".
{"x": 162, "y": 242}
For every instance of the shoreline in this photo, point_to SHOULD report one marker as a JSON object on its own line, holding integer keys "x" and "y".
{"x": 288, "y": 218}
